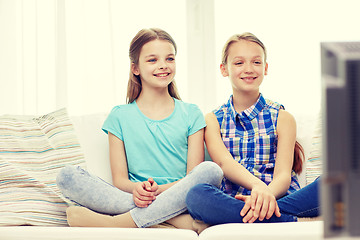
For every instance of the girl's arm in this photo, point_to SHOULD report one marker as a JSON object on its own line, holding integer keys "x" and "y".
{"x": 196, "y": 150}
{"x": 195, "y": 155}
{"x": 141, "y": 191}
{"x": 118, "y": 164}
{"x": 261, "y": 196}
{"x": 218, "y": 152}
{"x": 286, "y": 130}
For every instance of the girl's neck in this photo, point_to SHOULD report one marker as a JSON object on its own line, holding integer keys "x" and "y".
{"x": 153, "y": 97}
{"x": 155, "y": 105}
{"x": 243, "y": 101}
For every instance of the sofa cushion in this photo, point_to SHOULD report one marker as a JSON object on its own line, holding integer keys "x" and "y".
{"x": 78, "y": 233}
{"x": 32, "y": 151}
{"x": 312, "y": 230}
{"x": 94, "y": 143}
{"x": 314, "y": 161}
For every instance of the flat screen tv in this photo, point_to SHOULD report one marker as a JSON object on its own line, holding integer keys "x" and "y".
{"x": 340, "y": 194}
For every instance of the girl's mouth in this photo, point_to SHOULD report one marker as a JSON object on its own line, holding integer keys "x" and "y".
{"x": 249, "y": 79}
{"x": 162, "y": 74}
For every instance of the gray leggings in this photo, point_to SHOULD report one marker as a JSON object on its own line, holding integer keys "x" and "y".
{"x": 92, "y": 192}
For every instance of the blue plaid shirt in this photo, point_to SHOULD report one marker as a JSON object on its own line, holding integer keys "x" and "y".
{"x": 251, "y": 138}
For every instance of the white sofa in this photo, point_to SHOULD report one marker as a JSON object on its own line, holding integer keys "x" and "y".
{"x": 95, "y": 147}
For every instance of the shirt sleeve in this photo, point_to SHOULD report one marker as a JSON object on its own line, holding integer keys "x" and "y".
{"x": 196, "y": 119}
{"x": 112, "y": 123}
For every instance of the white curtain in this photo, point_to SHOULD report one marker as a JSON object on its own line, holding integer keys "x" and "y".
{"x": 74, "y": 53}
{"x": 292, "y": 32}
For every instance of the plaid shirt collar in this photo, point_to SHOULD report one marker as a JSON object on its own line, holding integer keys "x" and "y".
{"x": 249, "y": 113}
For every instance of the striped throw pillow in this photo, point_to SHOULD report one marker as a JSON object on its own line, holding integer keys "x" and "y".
{"x": 314, "y": 162}
{"x": 32, "y": 151}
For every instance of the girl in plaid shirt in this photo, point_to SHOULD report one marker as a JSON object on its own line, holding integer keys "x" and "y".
{"x": 253, "y": 141}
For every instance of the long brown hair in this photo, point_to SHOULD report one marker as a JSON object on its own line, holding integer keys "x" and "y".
{"x": 142, "y": 37}
{"x": 299, "y": 155}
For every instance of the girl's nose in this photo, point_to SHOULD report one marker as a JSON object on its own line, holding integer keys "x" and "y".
{"x": 248, "y": 68}
{"x": 162, "y": 65}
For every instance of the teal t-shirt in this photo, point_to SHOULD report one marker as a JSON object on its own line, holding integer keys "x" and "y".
{"x": 155, "y": 148}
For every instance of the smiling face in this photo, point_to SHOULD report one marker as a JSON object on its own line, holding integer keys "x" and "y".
{"x": 245, "y": 66}
{"x": 156, "y": 66}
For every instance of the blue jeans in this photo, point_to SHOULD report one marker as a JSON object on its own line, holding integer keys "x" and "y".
{"x": 211, "y": 205}
{"x": 92, "y": 192}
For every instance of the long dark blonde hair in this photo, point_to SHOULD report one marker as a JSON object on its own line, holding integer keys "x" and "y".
{"x": 299, "y": 155}
{"x": 238, "y": 37}
{"x": 142, "y": 37}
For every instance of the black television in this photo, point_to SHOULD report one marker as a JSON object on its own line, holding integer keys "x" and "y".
{"x": 340, "y": 185}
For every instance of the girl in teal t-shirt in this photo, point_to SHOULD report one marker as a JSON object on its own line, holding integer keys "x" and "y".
{"x": 156, "y": 149}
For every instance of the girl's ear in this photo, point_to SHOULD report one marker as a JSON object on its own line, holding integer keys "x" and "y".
{"x": 224, "y": 70}
{"x": 266, "y": 69}
{"x": 135, "y": 69}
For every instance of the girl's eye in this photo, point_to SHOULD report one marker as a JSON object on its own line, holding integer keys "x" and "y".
{"x": 238, "y": 63}
{"x": 171, "y": 59}
{"x": 152, "y": 60}
{"x": 258, "y": 62}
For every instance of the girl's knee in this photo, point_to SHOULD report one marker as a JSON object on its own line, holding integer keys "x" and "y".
{"x": 66, "y": 175}
{"x": 196, "y": 194}
{"x": 197, "y": 199}
{"x": 212, "y": 170}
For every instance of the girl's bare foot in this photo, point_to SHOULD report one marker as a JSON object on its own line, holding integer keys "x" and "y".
{"x": 83, "y": 217}
{"x": 199, "y": 226}
{"x": 185, "y": 221}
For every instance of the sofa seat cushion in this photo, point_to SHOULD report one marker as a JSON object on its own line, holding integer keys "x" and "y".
{"x": 59, "y": 233}
{"x": 312, "y": 230}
